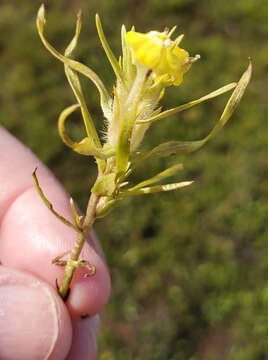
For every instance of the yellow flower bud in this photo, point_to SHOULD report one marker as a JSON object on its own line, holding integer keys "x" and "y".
{"x": 157, "y": 51}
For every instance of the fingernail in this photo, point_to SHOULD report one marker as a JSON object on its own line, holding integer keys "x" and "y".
{"x": 28, "y": 322}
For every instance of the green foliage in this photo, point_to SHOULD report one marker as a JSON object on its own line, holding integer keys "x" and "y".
{"x": 189, "y": 268}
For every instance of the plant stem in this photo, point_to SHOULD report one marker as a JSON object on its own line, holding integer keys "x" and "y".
{"x": 73, "y": 261}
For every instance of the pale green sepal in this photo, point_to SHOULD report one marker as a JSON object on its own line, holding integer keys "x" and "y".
{"x": 75, "y": 65}
{"x": 123, "y": 143}
{"x": 105, "y": 185}
{"x": 159, "y": 177}
{"x": 171, "y": 32}
{"x": 177, "y": 109}
{"x": 77, "y": 89}
{"x": 179, "y": 39}
{"x": 115, "y": 65}
{"x": 157, "y": 188}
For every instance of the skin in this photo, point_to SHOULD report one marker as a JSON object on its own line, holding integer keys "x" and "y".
{"x": 34, "y": 322}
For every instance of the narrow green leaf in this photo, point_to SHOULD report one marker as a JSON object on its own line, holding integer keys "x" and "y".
{"x": 50, "y": 206}
{"x": 157, "y": 188}
{"x": 234, "y": 101}
{"x": 177, "y": 109}
{"x": 61, "y": 124}
{"x": 71, "y": 47}
{"x": 159, "y": 177}
{"x": 128, "y": 67}
{"x": 84, "y": 147}
{"x": 174, "y": 147}
{"x": 75, "y": 65}
{"x": 77, "y": 89}
{"x": 108, "y": 51}
{"x": 186, "y": 147}
{"x": 76, "y": 216}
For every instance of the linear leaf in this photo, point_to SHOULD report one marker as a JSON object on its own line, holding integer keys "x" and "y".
{"x": 108, "y": 51}
{"x": 177, "y": 109}
{"x": 84, "y": 147}
{"x": 76, "y": 86}
{"x": 157, "y": 188}
{"x": 76, "y": 216}
{"x": 50, "y": 206}
{"x": 159, "y": 177}
{"x": 186, "y": 147}
{"x": 75, "y": 65}
{"x": 128, "y": 67}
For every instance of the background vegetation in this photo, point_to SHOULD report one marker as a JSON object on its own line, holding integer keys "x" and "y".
{"x": 189, "y": 269}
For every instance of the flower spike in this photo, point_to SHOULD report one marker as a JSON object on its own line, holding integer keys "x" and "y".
{"x": 149, "y": 64}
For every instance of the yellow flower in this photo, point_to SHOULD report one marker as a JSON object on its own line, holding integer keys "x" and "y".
{"x": 157, "y": 51}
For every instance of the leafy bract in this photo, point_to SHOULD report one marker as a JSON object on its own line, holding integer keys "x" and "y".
{"x": 186, "y": 147}
{"x": 177, "y": 109}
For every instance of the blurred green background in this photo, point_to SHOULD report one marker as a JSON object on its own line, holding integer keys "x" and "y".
{"x": 189, "y": 268}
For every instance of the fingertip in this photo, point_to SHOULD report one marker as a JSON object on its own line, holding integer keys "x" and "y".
{"x": 34, "y": 322}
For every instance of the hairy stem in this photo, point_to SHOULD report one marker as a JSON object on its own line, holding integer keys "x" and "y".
{"x": 73, "y": 261}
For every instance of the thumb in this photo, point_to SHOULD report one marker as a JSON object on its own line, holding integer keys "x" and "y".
{"x": 34, "y": 323}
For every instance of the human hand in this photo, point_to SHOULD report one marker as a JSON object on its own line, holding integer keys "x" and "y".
{"x": 34, "y": 322}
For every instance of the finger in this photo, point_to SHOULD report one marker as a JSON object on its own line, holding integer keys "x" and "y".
{"x": 30, "y": 236}
{"x": 34, "y": 322}
{"x": 84, "y": 339}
